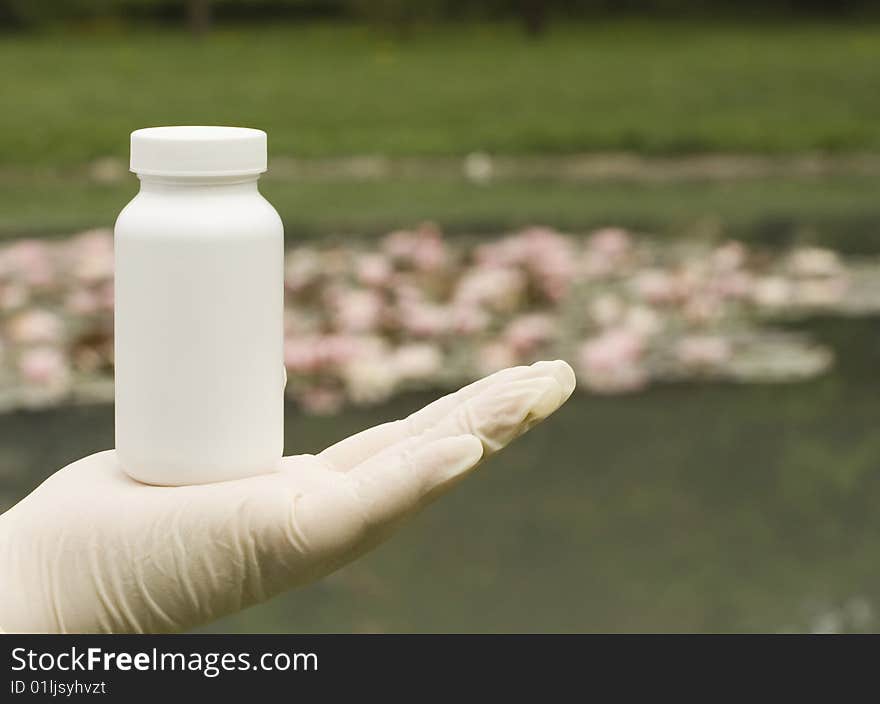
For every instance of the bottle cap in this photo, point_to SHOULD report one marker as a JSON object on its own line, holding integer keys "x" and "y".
{"x": 198, "y": 151}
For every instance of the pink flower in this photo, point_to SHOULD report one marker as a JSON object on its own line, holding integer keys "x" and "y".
{"x": 657, "y": 286}
{"x": 498, "y": 289}
{"x": 29, "y": 261}
{"x": 606, "y": 309}
{"x": 374, "y": 270}
{"x": 321, "y": 401}
{"x": 506, "y": 252}
{"x": 611, "y": 362}
{"x": 301, "y": 269}
{"x": 105, "y": 295}
{"x": 729, "y": 257}
{"x": 733, "y": 285}
{"x": 704, "y": 351}
{"x": 298, "y": 321}
{"x": 400, "y": 244}
{"x": 311, "y": 354}
{"x": 772, "y": 292}
{"x": 44, "y": 366}
{"x": 422, "y": 248}
{"x": 643, "y": 321}
{"x": 301, "y": 355}
{"x": 89, "y": 359}
{"x": 546, "y": 255}
{"x": 703, "y": 308}
{"x": 35, "y": 326}
{"x": 607, "y": 250}
{"x": 612, "y": 242}
{"x": 418, "y": 361}
{"x": 424, "y": 319}
{"x": 494, "y": 356}
{"x": 611, "y": 349}
{"x": 551, "y": 260}
{"x": 814, "y": 262}
{"x": 339, "y": 350}
{"x": 469, "y": 320}
{"x": 357, "y": 310}
{"x": 370, "y": 379}
{"x": 13, "y": 295}
{"x": 406, "y": 291}
{"x": 91, "y": 255}
{"x": 83, "y": 301}
{"x": 527, "y": 333}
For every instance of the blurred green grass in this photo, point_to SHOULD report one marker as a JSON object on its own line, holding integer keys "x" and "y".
{"x": 842, "y": 211}
{"x": 337, "y": 89}
{"x": 327, "y": 91}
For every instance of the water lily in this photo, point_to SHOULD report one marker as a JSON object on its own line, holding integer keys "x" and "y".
{"x": 35, "y": 326}
{"x": 91, "y": 255}
{"x": 495, "y": 356}
{"x": 657, "y": 286}
{"x": 496, "y": 288}
{"x": 363, "y": 322}
{"x": 814, "y": 261}
{"x": 29, "y": 261}
{"x": 357, "y": 310}
{"x": 772, "y": 292}
{"x": 527, "y": 333}
{"x": 46, "y": 367}
{"x": 704, "y": 351}
{"x": 417, "y": 361}
{"x": 374, "y": 270}
{"x": 611, "y": 361}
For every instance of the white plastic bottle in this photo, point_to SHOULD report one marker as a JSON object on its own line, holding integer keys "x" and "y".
{"x": 199, "y": 310}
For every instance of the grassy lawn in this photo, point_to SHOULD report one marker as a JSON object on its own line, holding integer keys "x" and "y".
{"x": 842, "y": 211}
{"x": 325, "y": 90}
{"x": 330, "y": 91}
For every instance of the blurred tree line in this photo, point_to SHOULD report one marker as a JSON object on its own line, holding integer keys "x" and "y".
{"x": 198, "y": 15}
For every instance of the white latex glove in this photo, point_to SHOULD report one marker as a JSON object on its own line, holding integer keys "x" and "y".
{"x": 93, "y": 550}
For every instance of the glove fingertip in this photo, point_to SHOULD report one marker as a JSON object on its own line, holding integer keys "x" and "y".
{"x": 562, "y": 372}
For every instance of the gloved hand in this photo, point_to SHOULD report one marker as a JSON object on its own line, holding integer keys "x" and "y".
{"x": 93, "y": 550}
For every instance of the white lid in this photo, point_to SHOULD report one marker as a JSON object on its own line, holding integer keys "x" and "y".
{"x": 198, "y": 151}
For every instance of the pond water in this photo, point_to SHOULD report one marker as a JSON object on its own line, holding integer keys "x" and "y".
{"x": 683, "y": 508}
